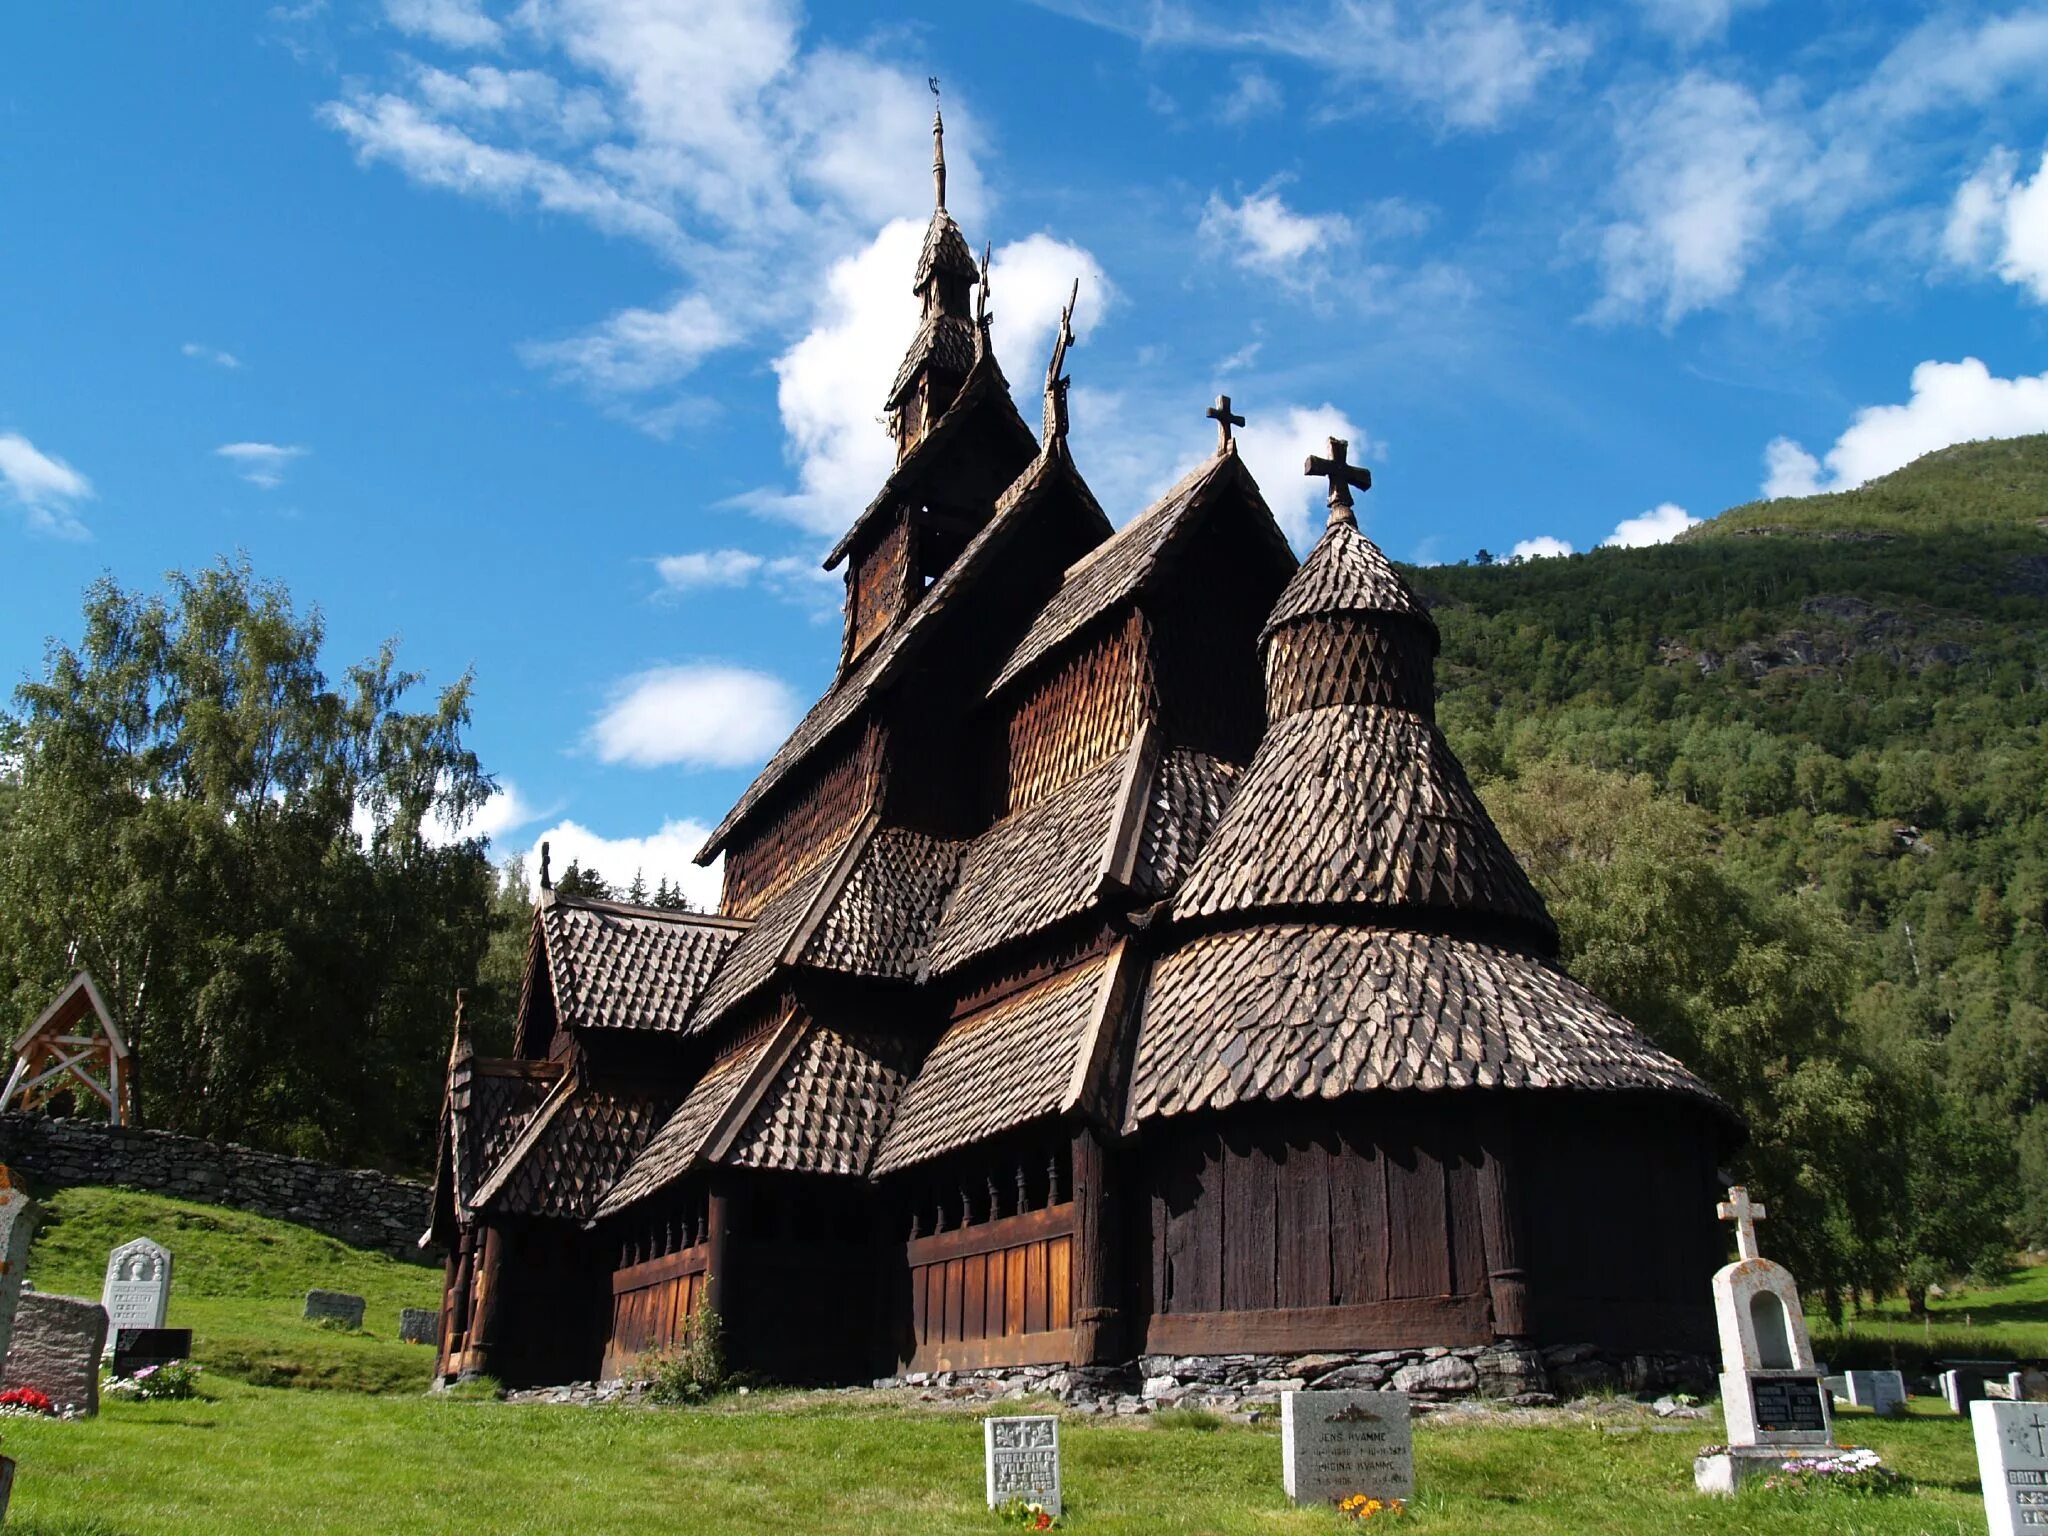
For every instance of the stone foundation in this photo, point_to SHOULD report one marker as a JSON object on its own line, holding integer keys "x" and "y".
{"x": 1513, "y": 1374}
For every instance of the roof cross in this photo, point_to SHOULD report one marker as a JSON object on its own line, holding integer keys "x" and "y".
{"x": 1745, "y": 1213}
{"x": 1220, "y": 414}
{"x": 1342, "y": 476}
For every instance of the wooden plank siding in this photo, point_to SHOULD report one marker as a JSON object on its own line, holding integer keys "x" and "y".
{"x": 1081, "y": 715}
{"x": 996, "y": 1293}
{"x": 817, "y": 811}
{"x": 652, "y": 1304}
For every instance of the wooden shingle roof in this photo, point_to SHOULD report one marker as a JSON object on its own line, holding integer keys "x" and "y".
{"x": 614, "y": 966}
{"x": 1353, "y": 806}
{"x": 1346, "y": 573}
{"x": 571, "y": 1152}
{"x": 827, "y": 1106}
{"x": 677, "y": 1146}
{"x": 493, "y": 1108}
{"x": 766, "y": 946}
{"x": 944, "y": 340}
{"x": 1293, "y": 1011}
{"x": 1004, "y": 1066}
{"x": 1184, "y": 805}
{"x": 883, "y": 917}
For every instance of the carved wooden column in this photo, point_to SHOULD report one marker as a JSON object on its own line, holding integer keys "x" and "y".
{"x": 455, "y": 1301}
{"x": 484, "y": 1289}
{"x": 1097, "y": 1321}
{"x": 718, "y": 1240}
{"x": 1500, "y": 1219}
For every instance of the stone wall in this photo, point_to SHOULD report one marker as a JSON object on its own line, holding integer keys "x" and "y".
{"x": 56, "y": 1350}
{"x": 364, "y": 1209}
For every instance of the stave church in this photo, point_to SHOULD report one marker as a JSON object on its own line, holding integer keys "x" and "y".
{"x": 1115, "y": 961}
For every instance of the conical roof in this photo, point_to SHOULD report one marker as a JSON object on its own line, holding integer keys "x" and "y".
{"x": 945, "y": 250}
{"x": 1346, "y": 573}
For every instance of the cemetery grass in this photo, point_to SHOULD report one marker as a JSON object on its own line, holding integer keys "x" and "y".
{"x": 2007, "y": 1318}
{"x": 239, "y": 1283}
{"x": 248, "y": 1459}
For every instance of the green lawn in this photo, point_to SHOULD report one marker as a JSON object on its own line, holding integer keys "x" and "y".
{"x": 377, "y": 1454}
{"x": 1995, "y": 1321}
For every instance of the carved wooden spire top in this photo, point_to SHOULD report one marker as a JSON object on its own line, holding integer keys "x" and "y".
{"x": 1055, "y": 380}
{"x": 938, "y": 146}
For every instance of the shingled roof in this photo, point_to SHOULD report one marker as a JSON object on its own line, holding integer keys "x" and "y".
{"x": 1292, "y": 1011}
{"x": 947, "y": 340}
{"x": 825, "y": 1109}
{"x": 1184, "y": 805}
{"x": 844, "y": 701}
{"x": 1111, "y": 573}
{"x": 1360, "y": 806}
{"x": 675, "y": 1148}
{"x": 571, "y": 1151}
{"x": 1004, "y": 1066}
{"x": 767, "y": 944}
{"x": 614, "y": 966}
{"x": 944, "y": 250}
{"x": 883, "y": 916}
{"x": 1346, "y": 573}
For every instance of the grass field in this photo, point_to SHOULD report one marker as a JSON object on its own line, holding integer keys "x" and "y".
{"x": 248, "y": 1459}
{"x": 1992, "y": 1321}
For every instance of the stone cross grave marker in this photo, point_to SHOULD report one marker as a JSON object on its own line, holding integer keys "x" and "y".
{"x": 137, "y": 1290}
{"x": 18, "y": 1217}
{"x": 1021, "y": 1457}
{"x": 335, "y": 1306}
{"x": 1335, "y": 1444}
{"x": 1882, "y": 1392}
{"x": 2012, "y": 1464}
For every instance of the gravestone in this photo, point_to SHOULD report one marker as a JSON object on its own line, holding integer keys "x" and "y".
{"x": 2029, "y": 1385}
{"x": 2012, "y": 1464}
{"x": 1021, "y": 1460}
{"x": 334, "y": 1306}
{"x": 1335, "y": 1444}
{"x": 18, "y": 1217}
{"x": 56, "y": 1349}
{"x": 1882, "y": 1392}
{"x": 1964, "y": 1384}
{"x": 137, "y": 1290}
{"x": 138, "y": 1348}
{"x": 1771, "y": 1394}
{"x": 419, "y": 1325}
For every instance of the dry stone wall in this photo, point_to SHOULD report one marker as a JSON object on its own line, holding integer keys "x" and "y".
{"x": 362, "y": 1208}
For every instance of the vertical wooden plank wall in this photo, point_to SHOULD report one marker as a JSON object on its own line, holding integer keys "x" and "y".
{"x": 998, "y": 1293}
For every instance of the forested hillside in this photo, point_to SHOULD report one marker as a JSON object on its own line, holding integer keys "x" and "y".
{"x": 1786, "y": 780}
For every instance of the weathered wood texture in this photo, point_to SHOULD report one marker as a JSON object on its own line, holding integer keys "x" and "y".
{"x": 1082, "y": 715}
{"x": 1000, "y": 1293}
{"x": 1350, "y": 659}
{"x": 815, "y": 814}
{"x": 879, "y": 585}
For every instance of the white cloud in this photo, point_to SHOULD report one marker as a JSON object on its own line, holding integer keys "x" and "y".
{"x": 637, "y": 350}
{"x": 212, "y": 355}
{"x": 1262, "y": 234}
{"x": 663, "y": 855}
{"x": 1660, "y": 525}
{"x": 794, "y": 578}
{"x": 1256, "y": 94}
{"x": 1542, "y": 547}
{"x": 45, "y": 487}
{"x": 1951, "y": 403}
{"x": 1469, "y": 63}
{"x": 1688, "y": 22}
{"x": 261, "y": 464}
{"x": 834, "y": 379}
{"x": 457, "y": 23}
{"x": 528, "y": 101}
{"x": 708, "y": 568}
{"x": 1999, "y": 221}
{"x": 702, "y": 715}
{"x": 1274, "y": 445}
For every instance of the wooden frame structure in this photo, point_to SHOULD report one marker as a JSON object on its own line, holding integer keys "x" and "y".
{"x": 1115, "y": 960}
{"x": 73, "y": 1044}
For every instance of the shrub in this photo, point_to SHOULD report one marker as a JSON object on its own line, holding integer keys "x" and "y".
{"x": 158, "y": 1383}
{"x": 696, "y": 1369}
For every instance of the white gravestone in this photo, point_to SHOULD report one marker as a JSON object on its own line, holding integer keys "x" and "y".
{"x": 1022, "y": 1460}
{"x": 137, "y": 1292}
{"x": 1771, "y": 1393}
{"x": 1882, "y": 1392}
{"x": 18, "y": 1217}
{"x": 1335, "y": 1444}
{"x": 2012, "y": 1463}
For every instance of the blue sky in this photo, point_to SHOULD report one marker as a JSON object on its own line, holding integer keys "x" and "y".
{"x": 549, "y": 336}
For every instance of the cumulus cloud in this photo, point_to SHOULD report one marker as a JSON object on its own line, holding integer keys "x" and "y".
{"x": 1542, "y": 547}
{"x": 1262, "y": 234}
{"x": 662, "y": 855}
{"x": 1689, "y": 22}
{"x": 703, "y": 715}
{"x": 1950, "y": 403}
{"x": 1660, "y": 525}
{"x": 832, "y": 381}
{"x": 1999, "y": 222}
{"x": 1275, "y": 444}
{"x": 458, "y": 23}
{"x": 46, "y": 488}
{"x": 637, "y": 350}
{"x": 213, "y": 355}
{"x": 261, "y": 464}
{"x": 795, "y": 578}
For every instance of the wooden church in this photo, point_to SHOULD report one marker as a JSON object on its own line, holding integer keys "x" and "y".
{"x": 1114, "y": 961}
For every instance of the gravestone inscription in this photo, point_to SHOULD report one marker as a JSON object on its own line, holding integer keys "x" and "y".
{"x": 2012, "y": 1465}
{"x": 1335, "y": 1444}
{"x": 334, "y": 1306}
{"x": 1021, "y": 1460}
{"x": 137, "y": 1289}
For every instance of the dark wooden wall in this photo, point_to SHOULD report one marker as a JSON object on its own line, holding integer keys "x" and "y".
{"x": 879, "y": 585}
{"x": 552, "y": 1310}
{"x": 1084, "y": 712}
{"x": 808, "y": 819}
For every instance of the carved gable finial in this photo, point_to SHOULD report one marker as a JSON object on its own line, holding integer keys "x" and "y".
{"x": 1056, "y": 380}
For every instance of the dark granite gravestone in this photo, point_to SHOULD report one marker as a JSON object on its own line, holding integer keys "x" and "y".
{"x": 419, "y": 1325}
{"x": 137, "y": 1348}
{"x": 334, "y": 1306}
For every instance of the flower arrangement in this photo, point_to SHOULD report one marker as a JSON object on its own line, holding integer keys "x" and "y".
{"x": 1361, "y": 1508}
{"x": 27, "y": 1402}
{"x": 157, "y": 1383}
{"x": 1852, "y": 1469}
{"x": 1031, "y": 1516}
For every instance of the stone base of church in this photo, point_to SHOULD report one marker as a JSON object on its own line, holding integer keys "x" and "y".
{"x": 1726, "y": 1471}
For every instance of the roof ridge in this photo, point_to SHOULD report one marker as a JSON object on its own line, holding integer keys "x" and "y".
{"x": 677, "y": 915}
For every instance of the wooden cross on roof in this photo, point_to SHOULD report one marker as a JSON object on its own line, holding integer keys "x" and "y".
{"x": 1342, "y": 475}
{"x": 1745, "y": 1213}
{"x": 1220, "y": 414}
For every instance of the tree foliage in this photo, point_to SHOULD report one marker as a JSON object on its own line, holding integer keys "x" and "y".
{"x": 264, "y": 869}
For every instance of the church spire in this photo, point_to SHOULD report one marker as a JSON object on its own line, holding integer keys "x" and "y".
{"x": 948, "y": 338}
{"x": 938, "y": 148}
